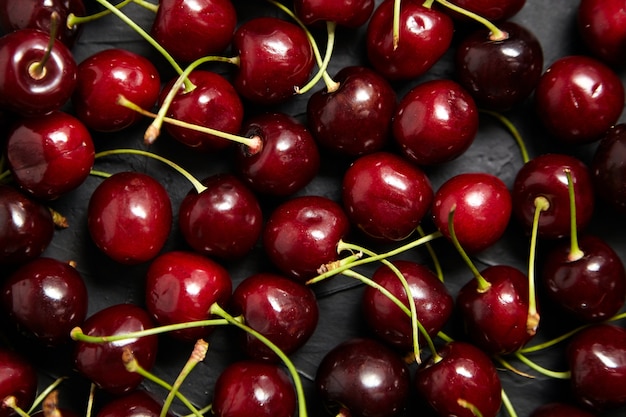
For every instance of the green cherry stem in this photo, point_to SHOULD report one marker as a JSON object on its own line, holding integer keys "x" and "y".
{"x": 42, "y": 396}
{"x": 541, "y": 204}
{"x": 395, "y": 26}
{"x": 11, "y": 402}
{"x": 5, "y": 175}
{"x": 575, "y": 253}
{"x": 496, "y": 34}
{"x": 73, "y": 20}
{"x": 469, "y": 406}
{"x": 90, "y": 400}
{"x": 147, "y": 5}
{"x": 37, "y": 70}
{"x": 331, "y": 29}
{"x": 508, "y": 405}
{"x": 433, "y": 255}
{"x": 101, "y": 174}
{"x": 513, "y": 130}
{"x": 541, "y": 369}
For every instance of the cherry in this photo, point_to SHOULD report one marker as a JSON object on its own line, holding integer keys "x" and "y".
{"x": 557, "y": 409}
{"x": 348, "y": 13}
{"x": 29, "y": 86}
{"x": 483, "y": 206}
{"x": 386, "y": 196}
{"x": 602, "y": 27}
{"x": 50, "y": 155}
{"x": 103, "y": 77}
{"x": 545, "y": 176}
{"x": 284, "y": 311}
{"x": 250, "y": 388}
{"x": 435, "y": 122}
{"x": 138, "y": 403}
{"x": 425, "y": 35}
{"x": 102, "y": 363}
{"x": 289, "y": 158}
{"x": 362, "y": 377}
{"x": 56, "y": 289}
{"x": 302, "y": 234}
{"x": 433, "y": 303}
{"x": 26, "y": 227}
{"x": 578, "y": 98}
{"x": 460, "y": 371}
{"x": 18, "y": 379}
{"x": 494, "y": 10}
{"x": 355, "y": 118}
{"x": 499, "y": 74}
{"x": 181, "y": 287}
{"x": 129, "y": 217}
{"x": 192, "y": 30}
{"x": 608, "y": 167}
{"x": 597, "y": 360}
{"x": 275, "y": 57}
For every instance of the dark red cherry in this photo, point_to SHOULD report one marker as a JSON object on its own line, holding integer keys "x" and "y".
{"x": 593, "y": 287}
{"x": 597, "y": 362}
{"x": 578, "y": 98}
{"x": 499, "y": 74}
{"x": 249, "y": 388}
{"x": 425, "y": 35}
{"x": 281, "y": 309}
{"x": 105, "y": 76}
{"x": 26, "y": 227}
{"x": 26, "y": 88}
{"x": 129, "y": 217}
{"x": 493, "y": 10}
{"x": 433, "y": 303}
{"x": 354, "y": 119}
{"x": 386, "y": 196}
{"x": 362, "y": 377}
{"x": 138, "y": 403}
{"x": 608, "y": 168}
{"x": 102, "y": 363}
{"x": 348, "y": 13}
{"x": 465, "y": 373}
{"x": 192, "y": 30}
{"x": 275, "y": 57}
{"x": 50, "y": 155}
{"x": 482, "y": 204}
{"x": 545, "y": 176}
{"x": 435, "y": 122}
{"x": 213, "y": 103}
{"x": 557, "y": 409}
{"x": 602, "y": 27}
{"x": 46, "y": 298}
{"x": 289, "y": 158}
{"x": 181, "y": 287}
{"x": 302, "y": 234}
{"x": 18, "y": 378}
{"x": 224, "y": 221}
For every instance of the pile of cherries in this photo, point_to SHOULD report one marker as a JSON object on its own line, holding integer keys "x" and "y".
{"x": 218, "y": 207}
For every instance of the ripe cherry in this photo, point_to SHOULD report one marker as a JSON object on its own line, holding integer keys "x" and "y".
{"x": 348, "y": 13}
{"x": 608, "y": 168}
{"x": 18, "y": 378}
{"x": 558, "y": 409}
{"x": 138, "y": 403}
{"x": 602, "y": 27}
{"x": 493, "y": 10}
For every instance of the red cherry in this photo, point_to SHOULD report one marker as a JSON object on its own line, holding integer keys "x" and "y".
{"x": 608, "y": 168}
{"x": 493, "y": 10}
{"x": 602, "y": 27}
{"x": 556, "y": 409}
{"x": 18, "y": 378}
{"x": 348, "y": 13}
{"x": 137, "y": 403}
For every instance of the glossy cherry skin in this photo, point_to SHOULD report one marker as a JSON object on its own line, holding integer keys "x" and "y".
{"x": 224, "y": 221}
{"x": 250, "y": 388}
{"x": 354, "y": 119}
{"x": 26, "y": 227}
{"x": 192, "y": 30}
{"x": 602, "y": 27}
{"x": 465, "y": 372}
{"x": 362, "y": 377}
{"x": 425, "y": 35}
{"x": 46, "y": 298}
{"x": 18, "y": 378}
{"x": 579, "y": 98}
{"x": 289, "y": 158}
{"x": 499, "y": 74}
{"x": 138, "y": 403}
{"x": 102, "y": 362}
{"x": 493, "y": 10}
{"x": 181, "y": 287}
{"x": 545, "y": 176}
{"x": 482, "y": 209}
{"x": 608, "y": 168}
{"x": 348, "y": 13}
{"x": 496, "y": 319}
{"x": 275, "y": 57}
{"x": 50, "y": 155}
{"x": 302, "y": 234}
{"x": 27, "y": 93}
{"x": 557, "y": 409}
{"x": 433, "y": 303}
{"x": 435, "y": 122}
{"x": 129, "y": 217}
{"x": 386, "y": 196}
{"x": 103, "y": 77}
{"x": 592, "y": 288}
{"x": 281, "y": 309}
{"x": 597, "y": 361}
{"x": 213, "y": 103}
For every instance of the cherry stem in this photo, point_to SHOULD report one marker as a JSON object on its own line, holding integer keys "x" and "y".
{"x": 331, "y": 29}
{"x": 219, "y": 311}
{"x": 100, "y": 174}
{"x": 147, "y": 5}
{"x": 508, "y": 404}
{"x": 395, "y": 27}
{"x": 37, "y": 70}
{"x": 90, "y": 400}
{"x": 469, "y": 406}
{"x": 11, "y": 402}
{"x": 59, "y": 220}
{"x": 41, "y": 397}
{"x": 495, "y": 35}
{"x": 73, "y": 20}
{"x": 483, "y": 284}
{"x": 198, "y": 354}
{"x": 513, "y": 130}
{"x": 433, "y": 255}
{"x": 575, "y": 253}
{"x": 541, "y": 204}
{"x": 50, "y": 405}
{"x": 541, "y": 369}
{"x": 196, "y": 184}
{"x": 507, "y": 365}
